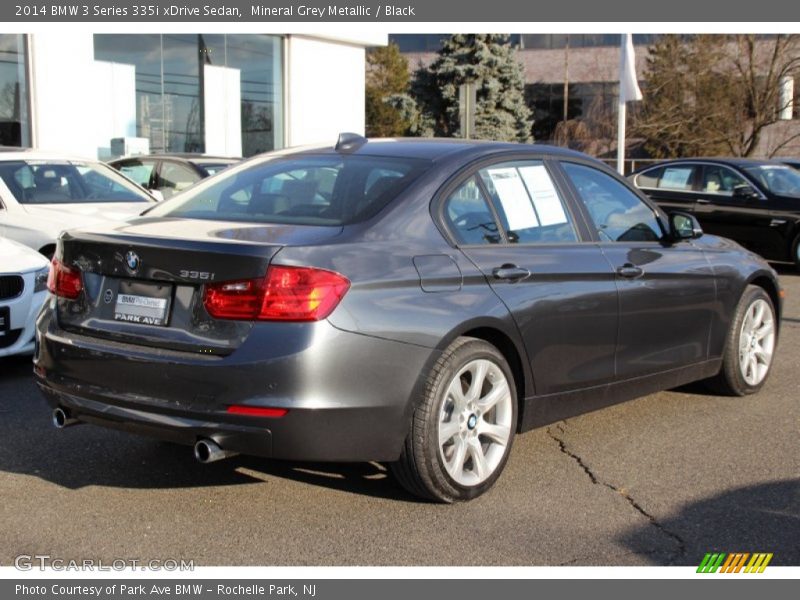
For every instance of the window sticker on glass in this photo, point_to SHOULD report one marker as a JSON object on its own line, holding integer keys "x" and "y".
{"x": 545, "y": 198}
{"x": 514, "y": 198}
{"x": 676, "y": 179}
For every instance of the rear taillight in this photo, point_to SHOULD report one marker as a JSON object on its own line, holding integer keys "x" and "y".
{"x": 285, "y": 294}
{"x": 64, "y": 281}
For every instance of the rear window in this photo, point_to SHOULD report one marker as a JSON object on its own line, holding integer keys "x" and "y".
{"x": 310, "y": 190}
{"x": 68, "y": 182}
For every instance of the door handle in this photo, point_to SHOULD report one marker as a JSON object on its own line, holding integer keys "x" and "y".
{"x": 703, "y": 201}
{"x": 510, "y": 273}
{"x": 629, "y": 271}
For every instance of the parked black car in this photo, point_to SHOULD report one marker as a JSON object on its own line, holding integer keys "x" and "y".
{"x": 170, "y": 173}
{"x": 408, "y": 301}
{"x": 754, "y": 202}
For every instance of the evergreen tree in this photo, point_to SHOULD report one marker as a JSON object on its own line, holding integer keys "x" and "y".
{"x": 489, "y": 61}
{"x": 387, "y": 76}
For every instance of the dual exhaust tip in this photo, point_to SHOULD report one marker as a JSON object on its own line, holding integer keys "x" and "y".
{"x": 205, "y": 450}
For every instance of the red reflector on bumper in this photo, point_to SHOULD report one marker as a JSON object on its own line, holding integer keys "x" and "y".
{"x": 257, "y": 411}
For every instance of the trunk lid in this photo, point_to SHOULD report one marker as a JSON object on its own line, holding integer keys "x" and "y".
{"x": 144, "y": 280}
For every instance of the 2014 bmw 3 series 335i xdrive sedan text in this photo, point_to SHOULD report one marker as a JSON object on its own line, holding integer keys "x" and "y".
{"x": 411, "y": 302}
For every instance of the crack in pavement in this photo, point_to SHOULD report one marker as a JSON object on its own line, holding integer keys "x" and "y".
{"x": 562, "y": 445}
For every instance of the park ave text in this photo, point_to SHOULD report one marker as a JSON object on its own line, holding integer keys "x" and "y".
{"x": 177, "y": 589}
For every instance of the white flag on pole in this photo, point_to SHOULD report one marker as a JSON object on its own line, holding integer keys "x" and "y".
{"x": 628, "y": 85}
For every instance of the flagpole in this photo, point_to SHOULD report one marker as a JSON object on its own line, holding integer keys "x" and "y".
{"x": 621, "y": 116}
{"x": 628, "y": 90}
{"x": 621, "y": 112}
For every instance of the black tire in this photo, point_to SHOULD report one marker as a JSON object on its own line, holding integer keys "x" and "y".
{"x": 421, "y": 469}
{"x": 730, "y": 381}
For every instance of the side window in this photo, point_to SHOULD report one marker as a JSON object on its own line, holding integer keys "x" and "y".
{"x": 649, "y": 178}
{"x": 173, "y": 178}
{"x": 469, "y": 217}
{"x": 721, "y": 180}
{"x": 679, "y": 178}
{"x": 528, "y": 203}
{"x": 617, "y": 213}
{"x": 138, "y": 171}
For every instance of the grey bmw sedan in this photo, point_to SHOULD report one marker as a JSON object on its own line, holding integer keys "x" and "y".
{"x": 415, "y": 302}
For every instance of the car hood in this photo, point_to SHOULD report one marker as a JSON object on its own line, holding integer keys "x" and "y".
{"x": 66, "y": 216}
{"x": 18, "y": 258}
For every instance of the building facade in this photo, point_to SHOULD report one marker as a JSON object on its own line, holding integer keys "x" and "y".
{"x": 228, "y": 94}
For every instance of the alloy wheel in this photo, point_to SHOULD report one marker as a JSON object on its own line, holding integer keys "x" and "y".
{"x": 475, "y": 422}
{"x": 756, "y": 342}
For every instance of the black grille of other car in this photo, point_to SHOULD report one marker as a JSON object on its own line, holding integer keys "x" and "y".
{"x": 11, "y": 286}
{"x": 10, "y": 338}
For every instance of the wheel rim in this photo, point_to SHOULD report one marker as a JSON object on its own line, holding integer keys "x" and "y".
{"x": 756, "y": 342}
{"x": 475, "y": 422}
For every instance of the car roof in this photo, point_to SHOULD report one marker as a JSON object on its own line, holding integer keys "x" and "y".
{"x": 435, "y": 148}
{"x": 23, "y": 154}
{"x": 187, "y": 156}
{"x": 729, "y": 161}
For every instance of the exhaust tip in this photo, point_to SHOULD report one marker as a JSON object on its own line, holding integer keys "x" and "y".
{"x": 61, "y": 419}
{"x": 207, "y": 451}
{"x": 202, "y": 451}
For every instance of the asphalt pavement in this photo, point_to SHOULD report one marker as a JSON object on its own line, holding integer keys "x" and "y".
{"x": 660, "y": 480}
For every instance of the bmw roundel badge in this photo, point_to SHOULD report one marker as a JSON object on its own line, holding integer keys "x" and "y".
{"x": 132, "y": 261}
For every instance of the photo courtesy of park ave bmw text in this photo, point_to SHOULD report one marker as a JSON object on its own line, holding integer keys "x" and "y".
{"x": 317, "y": 299}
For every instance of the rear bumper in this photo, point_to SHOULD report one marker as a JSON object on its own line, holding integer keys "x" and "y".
{"x": 348, "y": 396}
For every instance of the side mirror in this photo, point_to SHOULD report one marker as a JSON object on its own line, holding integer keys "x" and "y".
{"x": 157, "y": 195}
{"x": 745, "y": 192}
{"x": 684, "y": 227}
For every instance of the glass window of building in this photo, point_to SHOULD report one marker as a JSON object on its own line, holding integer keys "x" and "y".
{"x": 170, "y": 85}
{"x": 14, "y": 119}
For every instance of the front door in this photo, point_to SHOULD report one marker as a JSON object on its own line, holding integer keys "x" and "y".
{"x": 666, "y": 290}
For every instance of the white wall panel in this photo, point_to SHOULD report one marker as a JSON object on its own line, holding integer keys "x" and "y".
{"x": 326, "y": 90}
{"x": 223, "y": 111}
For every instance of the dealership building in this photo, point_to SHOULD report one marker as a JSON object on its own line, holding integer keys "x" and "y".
{"x": 99, "y": 95}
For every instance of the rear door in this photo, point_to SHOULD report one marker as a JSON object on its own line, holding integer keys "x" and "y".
{"x": 667, "y": 290}
{"x": 512, "y": 221}
{"x": 672, "y": 186}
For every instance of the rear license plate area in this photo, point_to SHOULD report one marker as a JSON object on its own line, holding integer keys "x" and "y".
{"x": 143, "y": 303}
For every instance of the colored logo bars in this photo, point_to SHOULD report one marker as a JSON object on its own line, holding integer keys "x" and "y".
{"x": 734, "y": 562}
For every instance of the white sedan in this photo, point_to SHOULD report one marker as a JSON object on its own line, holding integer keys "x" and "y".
{"x": 43, "y": 194}
{"x": 23, "y": 290}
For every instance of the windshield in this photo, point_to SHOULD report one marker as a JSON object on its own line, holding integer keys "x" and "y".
{"x": 778, "y": 179}
{"x": 67, "y": 182}
{"x": 306, "y": 190}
